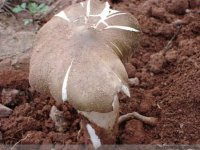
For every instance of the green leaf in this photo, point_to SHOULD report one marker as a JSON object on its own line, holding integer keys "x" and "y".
{"x": 32, "y": 7}
{"x": 44, "y": 9}
{"x": 17, "y": 9}
{"x": 41, "y": 6}
{"x": 23, "y": 5}
{"x": 28, "y": 21}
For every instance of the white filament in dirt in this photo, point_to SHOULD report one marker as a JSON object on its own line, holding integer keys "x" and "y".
{"x": 96, "y": 142}
{"x": 65, "y": 82}
{"x": 122, "y": 28}
{"x": 117, "y": 48}
{"x": 63, "y": 16}
{"x": 88, "y": 8}
{"x": 81, "y": 3}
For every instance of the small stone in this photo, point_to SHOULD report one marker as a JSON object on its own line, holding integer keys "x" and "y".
{"x": 171, "y": 56}
{"x": 9, "y": 97}
{"x": 4, "y": 111}
{"x": 181, "y": 125}
{"x": 166, "y": 30}
{"x": 156, "y": 62}
{"x": 134, "y": 81}
{"x": 156, "y": 91}
{"x": 158, "y": 12}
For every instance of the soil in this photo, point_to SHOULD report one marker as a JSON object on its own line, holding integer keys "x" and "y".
{"x": 169, "y": 83}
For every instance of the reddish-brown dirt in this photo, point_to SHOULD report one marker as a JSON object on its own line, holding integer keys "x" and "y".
{"x": 169, "y": 85}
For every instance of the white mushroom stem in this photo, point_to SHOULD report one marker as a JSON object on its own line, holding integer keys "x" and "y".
{"x": 148, "y": 120}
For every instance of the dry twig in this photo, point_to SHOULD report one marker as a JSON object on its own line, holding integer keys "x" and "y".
{"x": 169, "y": 44}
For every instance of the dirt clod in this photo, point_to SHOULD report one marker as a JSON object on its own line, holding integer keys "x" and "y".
{"x": 146, "y": 104}
{"x": 171, "y": 56}
{"x": 157, "y": 62}
{"x": 4, "y": 111}
{"x": 9, "y": 97}
{"x": 59, "y": 119}
{"x": 157, "y": 12}
{"x": 156, "y": 91}
{"x": 133, "y": 132}
{"x": 178, "y": 7}
{"x": 131, "y": 70}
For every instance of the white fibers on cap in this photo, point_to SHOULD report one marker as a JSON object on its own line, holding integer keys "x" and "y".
{"x": 122, "y": 28}
{"x": 64, "y": 86}
{"x": 63, "y": 16}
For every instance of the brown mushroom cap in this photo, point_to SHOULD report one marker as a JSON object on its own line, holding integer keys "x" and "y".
{"x": 73, "y": 46}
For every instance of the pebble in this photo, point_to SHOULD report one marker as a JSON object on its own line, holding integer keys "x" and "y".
{"x": 171, "y": 56}
{"x": 156, "y": 62}
{"x": 131, "y": 70}
{"x": 9, "y": 97}
{"x": 4, "y": 111}
{"x": 134, "y": 81}
{"x": 134, "y": 132}
{"x": 157, "y": 12}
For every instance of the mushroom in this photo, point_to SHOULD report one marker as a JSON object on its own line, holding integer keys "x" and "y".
{"x": 78, "y": 58}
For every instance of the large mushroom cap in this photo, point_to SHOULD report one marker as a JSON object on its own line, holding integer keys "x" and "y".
{"x": 76, "y": 55}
